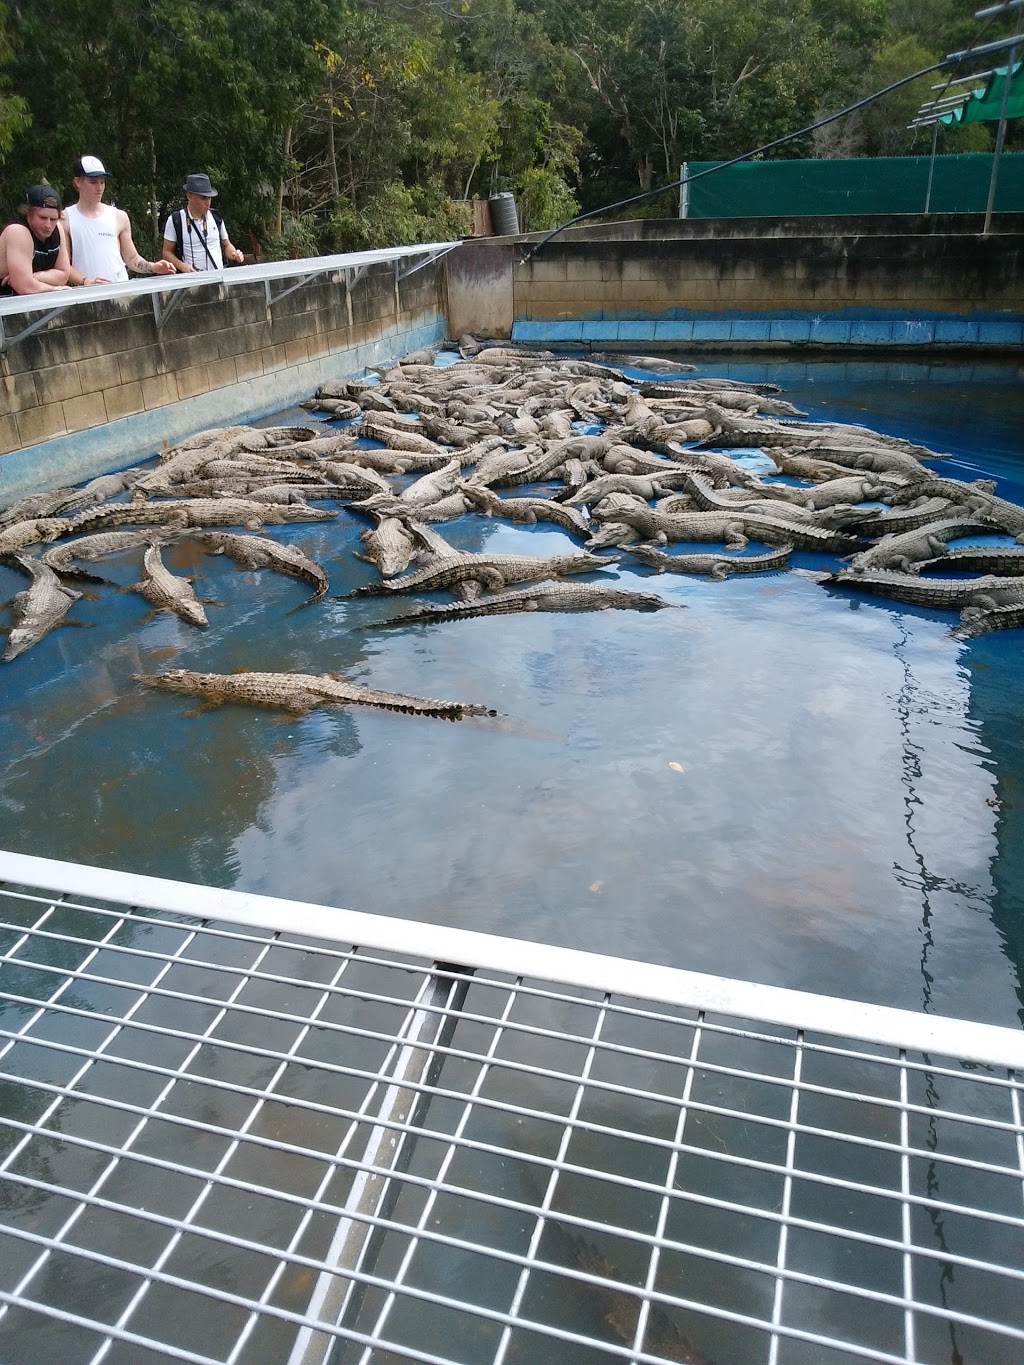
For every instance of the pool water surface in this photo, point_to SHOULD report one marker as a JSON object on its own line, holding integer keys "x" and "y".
{"x": 776, "y": 780}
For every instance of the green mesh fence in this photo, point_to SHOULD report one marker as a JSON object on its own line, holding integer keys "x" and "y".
{"x": 890, "y": 184}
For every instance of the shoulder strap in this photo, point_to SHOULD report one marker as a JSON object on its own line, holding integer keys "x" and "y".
{"x": 178, "y": 219}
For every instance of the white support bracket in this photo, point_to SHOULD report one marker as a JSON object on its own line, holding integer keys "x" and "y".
{"x": 429, "y": 259}
{"x": 6, "y": 342}
{"x": 299, "y": 284}
{"x": 162, "y": 311}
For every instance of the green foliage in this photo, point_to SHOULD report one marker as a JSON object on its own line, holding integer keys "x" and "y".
{"x": 337, "y": 124}
{"x": 545, "y": 200}
{"x": 14, "y": 111}
{"x": 298, "y": 237}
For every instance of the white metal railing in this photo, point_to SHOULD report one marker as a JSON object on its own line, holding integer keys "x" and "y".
{"x": 233, "y": 275}
{"x": 270, "y": 1129}
{"x": 167, "y": 290}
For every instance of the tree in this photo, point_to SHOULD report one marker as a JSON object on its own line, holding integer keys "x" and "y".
{"x": 14, "y": 111}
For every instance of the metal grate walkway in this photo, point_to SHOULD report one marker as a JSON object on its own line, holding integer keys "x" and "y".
{"x": 237, "y": 1129}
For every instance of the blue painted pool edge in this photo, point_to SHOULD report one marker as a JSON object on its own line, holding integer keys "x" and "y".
{"x": 846, "y": 329}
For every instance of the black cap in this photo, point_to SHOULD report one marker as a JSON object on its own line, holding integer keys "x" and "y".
{"x": 42, "y": 197}
{"x": 199, "y": 184}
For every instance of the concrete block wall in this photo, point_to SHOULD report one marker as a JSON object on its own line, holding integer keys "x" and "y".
{"x": 102, "y": 385}
{"x": 896, "y": 289}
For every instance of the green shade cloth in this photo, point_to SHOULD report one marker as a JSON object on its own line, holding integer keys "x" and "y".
{"x": 869, "y": 184}
{"x": 986, "y": 106}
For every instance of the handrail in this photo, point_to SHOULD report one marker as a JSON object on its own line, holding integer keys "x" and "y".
{"x": 240, "y": 274}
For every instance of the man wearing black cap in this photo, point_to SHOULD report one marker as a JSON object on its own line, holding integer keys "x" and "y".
{"x": 195, "y": 237}
{"x": 102, "y": 248}
{"x": 34, "y": 254}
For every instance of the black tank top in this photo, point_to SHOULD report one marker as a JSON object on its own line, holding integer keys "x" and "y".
{"x": 44, "y": 257}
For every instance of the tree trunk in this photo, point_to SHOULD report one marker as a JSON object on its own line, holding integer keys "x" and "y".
{"x": 279, "y": 216}
{"x": 332, "y": 156}
{"x": 154, "y": 206}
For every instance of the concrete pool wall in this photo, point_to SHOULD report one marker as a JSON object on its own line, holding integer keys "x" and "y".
{"x": 747, "y": 283}
{"x": 93, "y": 380}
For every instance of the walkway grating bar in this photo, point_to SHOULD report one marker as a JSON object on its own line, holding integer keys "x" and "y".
{"x": 238, "y": 1129}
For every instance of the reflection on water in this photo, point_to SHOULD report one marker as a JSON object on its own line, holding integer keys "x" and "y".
{"x": 778, "y": 782}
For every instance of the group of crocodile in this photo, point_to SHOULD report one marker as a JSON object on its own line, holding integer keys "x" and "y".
{"x": 613, "y": 462}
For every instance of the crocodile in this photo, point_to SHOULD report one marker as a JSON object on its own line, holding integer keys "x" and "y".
{"x": 899, "y": 552}
{"x": 708, "y": 385}
{"x": 849, "y": 434}
{"x": 37, "y": 507}
{"x": 500, "y": 462}
{"x": 735, "y": 529}
{"x": 62, "y": 501}
{"x": 351, "y": 479}
{"x": 808, "y": 467}
{"x": 846, "y": 491}
{"x": 644, "y": 485}
{"x": 875, "y": 524}
{"x": 167, "y": 592}
{"x": 20, "y": 534}
{"x": 978, "y": 620}
{"x": 717, "y": 567}
{"x": 36, "y": 611}
{"x": 542, "y": 597}
{"x": 432, "y": 487}
{"x": 495, "y": 571}
{"x": 403, "y": 440}
{"x": 252, "y": 467}
{"x": 1007, "y": 516}
{"x": 211, "y": 436}
{"x": 390, "y": 545}
{"x": 296, "y": 494}
{"x": 528, "y": 510}
{"x": 179, "y": 468}
{"x": 734, "y": 430}
{"x": 90, "y": 548}
{"x": 543, "y": 467}
{"x": 197, "y": 512}
{"x": 997, "y": 559}
{"x": 880, "y": 459}
{"x": 260, "y": 552}
{"x": 328, "y": 447}
{"x": 342, "y": 409}
{"x": 943, "y": 593}
{"x": 972, "y": 495}
{"x": 627, "y": 459}
{"x": 445, "y": 509}
{"x": 708, "y": 499}
{"x": 299, "y": 692}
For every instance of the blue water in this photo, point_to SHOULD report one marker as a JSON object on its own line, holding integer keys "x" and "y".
{"x": 777, "y": 781}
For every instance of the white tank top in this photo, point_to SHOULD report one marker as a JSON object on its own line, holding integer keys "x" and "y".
{"x": 94, "y": 245}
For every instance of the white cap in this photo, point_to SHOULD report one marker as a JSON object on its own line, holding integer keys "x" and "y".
{"x": 90, "y": 166}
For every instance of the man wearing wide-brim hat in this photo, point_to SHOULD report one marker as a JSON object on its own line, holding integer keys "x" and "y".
{"x": 195, "y": 237}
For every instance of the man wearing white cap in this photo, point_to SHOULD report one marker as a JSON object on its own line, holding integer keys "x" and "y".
{"x": 102, "y": 249}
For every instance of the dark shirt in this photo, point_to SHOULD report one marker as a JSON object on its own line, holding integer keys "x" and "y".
{"x": 44, "y": 257}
